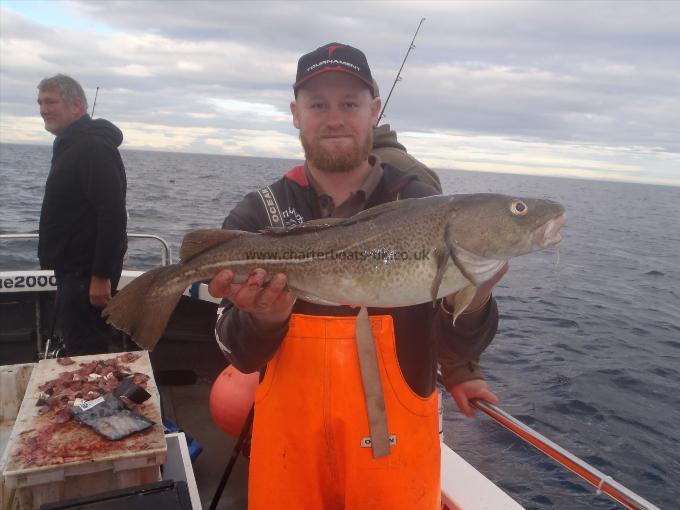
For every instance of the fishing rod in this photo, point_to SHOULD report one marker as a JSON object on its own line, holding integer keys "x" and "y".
{"x": 398, "y": 78}
{"x": 95, "y": 102}
{"x": 604, "y": 483}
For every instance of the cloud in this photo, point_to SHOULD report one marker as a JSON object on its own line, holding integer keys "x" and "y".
{"x": 499, "y": 154}
{"x": 244, "y": 142}
{"x": 587, "y": 88}
{"x": 15, "y": 129}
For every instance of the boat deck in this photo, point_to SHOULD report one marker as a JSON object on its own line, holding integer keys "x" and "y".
{"x": 184, "y": 383}
{"x": 190, "y": 412}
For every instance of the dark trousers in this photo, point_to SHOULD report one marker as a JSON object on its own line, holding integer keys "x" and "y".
{"x": 83, "y": 329}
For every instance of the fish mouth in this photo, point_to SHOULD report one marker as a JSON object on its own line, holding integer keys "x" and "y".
{"x": 548, "y": 234}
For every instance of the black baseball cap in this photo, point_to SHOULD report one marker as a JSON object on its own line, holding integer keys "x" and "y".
{"x": 334, "y": 57}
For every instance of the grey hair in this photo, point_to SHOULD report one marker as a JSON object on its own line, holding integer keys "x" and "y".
{"x": 70, "y": 89}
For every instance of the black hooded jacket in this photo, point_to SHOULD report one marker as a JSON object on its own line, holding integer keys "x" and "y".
{"x": 83, "y": 218}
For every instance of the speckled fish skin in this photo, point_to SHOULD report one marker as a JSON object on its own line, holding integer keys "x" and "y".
{"x": 389, "y": 259}
{"x": 397, "y": 254}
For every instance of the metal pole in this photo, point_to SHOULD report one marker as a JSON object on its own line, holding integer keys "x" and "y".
{"x": 166, "y": 254}
{"x": 602, "y": 482}
{"x": 399, "y": 72}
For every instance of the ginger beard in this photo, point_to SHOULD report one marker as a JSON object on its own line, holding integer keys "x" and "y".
{"x": 336, "y": 160}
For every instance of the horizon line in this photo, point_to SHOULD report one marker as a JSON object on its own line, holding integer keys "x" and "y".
{"x": 671, "y": 184}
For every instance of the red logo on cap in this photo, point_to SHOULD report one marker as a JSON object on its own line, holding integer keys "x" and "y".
{"x": 331, "y": 49}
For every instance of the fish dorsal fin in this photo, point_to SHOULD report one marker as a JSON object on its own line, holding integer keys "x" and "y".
{"x": 323, "y": 223}
{"x": 303, "y": 228}
{"x": 200, "y": 240}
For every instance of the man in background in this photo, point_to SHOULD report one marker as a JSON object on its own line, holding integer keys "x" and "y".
{"x": 83, "y": 218}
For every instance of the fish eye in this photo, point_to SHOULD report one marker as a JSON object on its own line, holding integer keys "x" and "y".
{"x": 519, "y": 208}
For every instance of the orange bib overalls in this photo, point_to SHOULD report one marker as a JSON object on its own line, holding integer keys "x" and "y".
{"x": 309, "y": 448}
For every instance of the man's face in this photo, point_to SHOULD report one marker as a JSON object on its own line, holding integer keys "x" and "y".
{"x": 335, "y": 114}
{"x": 57, "y": 114}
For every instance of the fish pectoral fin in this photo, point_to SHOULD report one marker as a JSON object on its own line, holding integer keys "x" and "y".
{"x": 200, "y": 240}
{"x": 462, "y": 300}
{"x": 453, "y": 252}
{"x": 442, "y": 259}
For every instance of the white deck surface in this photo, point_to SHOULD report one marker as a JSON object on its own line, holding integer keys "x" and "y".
{"x": 465, "y": 488}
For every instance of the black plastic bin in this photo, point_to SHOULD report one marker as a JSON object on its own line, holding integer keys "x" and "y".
{"x": 165, "y": 495}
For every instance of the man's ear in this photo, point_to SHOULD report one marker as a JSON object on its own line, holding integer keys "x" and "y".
{"x": 78, "y": 107}
{"x": 293, "y": 110}
{"x": 375, "y": 109}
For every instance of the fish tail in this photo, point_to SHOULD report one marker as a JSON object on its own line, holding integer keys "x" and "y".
{"x": 140, "y": 310}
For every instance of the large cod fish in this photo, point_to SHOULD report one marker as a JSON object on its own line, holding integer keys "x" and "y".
{"x": 397, "y": 254}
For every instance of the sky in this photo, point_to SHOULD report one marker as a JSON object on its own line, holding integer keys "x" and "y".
{"x": 571, "y": 89}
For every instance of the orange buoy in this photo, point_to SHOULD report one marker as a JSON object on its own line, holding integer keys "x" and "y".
{"x": 231, "y": 398}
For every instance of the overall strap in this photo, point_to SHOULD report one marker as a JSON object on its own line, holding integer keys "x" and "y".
{"x": 373, "y": 390}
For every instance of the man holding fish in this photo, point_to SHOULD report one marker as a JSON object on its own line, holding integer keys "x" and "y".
{"x": 309, "y": 435}
{"x": 346, "y": 413}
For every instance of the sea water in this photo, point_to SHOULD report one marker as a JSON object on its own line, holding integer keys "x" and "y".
{"x": 588, "y": 347}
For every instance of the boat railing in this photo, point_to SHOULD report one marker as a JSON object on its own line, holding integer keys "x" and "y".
{"x": 37, "y": 280}
{"x": 166, "y": 253}
{"x": 602, "y": 482}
